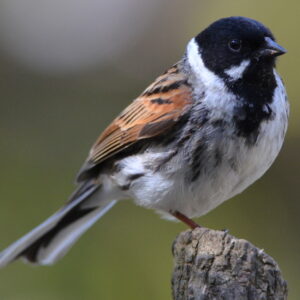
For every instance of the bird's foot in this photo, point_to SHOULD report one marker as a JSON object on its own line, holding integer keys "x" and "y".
{"x": 189, "y": 222}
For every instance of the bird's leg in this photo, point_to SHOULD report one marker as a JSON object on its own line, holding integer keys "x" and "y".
{"x": 189, "y": 222}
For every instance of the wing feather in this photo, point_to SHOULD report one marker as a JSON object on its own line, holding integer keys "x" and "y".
{"x": 158, "y": 108}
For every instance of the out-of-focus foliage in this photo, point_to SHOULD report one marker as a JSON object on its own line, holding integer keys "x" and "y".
{"x": 58, "y": 93}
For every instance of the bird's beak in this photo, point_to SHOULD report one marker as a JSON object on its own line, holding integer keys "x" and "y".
{"x": 271, "y": 48}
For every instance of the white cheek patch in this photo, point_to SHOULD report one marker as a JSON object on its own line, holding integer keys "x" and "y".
{"x": 207, "y": 77}
{"x": 236, "y": 72}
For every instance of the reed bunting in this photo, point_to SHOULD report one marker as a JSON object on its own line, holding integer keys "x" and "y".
{"x": 201, "y": 133}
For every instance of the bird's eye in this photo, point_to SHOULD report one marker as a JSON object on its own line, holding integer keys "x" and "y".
{"x": 235, "y": 45}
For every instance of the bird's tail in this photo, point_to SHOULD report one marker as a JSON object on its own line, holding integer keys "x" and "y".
{"x": 49, "y": 241}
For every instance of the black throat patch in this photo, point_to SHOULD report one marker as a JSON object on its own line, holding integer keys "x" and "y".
{"x": 255, "y": 93}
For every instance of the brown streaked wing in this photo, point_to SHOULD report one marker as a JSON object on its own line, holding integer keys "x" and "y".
{"x": 155, "y": 110}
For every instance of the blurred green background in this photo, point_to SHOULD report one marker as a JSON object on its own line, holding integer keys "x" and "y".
{"x": 66, "y": 69}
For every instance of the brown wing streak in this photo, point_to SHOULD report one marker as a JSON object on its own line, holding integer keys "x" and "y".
{"x": 156, "y": 110}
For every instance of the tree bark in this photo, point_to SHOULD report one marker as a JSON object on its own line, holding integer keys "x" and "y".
{"x": 212, "y": 264}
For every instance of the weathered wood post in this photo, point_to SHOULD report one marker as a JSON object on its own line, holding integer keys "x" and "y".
{"x": 213, "y": 264}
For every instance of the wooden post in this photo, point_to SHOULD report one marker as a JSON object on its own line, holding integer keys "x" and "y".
{"x": 213, "y": 265}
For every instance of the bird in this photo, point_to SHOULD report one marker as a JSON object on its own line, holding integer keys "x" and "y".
{"x": 201, "y": 133}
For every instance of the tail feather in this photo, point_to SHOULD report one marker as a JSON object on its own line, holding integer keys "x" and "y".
{"x": 50, "y": 241}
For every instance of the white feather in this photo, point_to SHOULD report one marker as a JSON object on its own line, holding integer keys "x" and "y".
{"x": 66, "y": 237}
{"x": 236, "y": 72}
{"x": 212, "y": 84}
{"x": 203, "y": 74}
{"x": 14, "y": 249}
{"x": 62, "y": 242}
